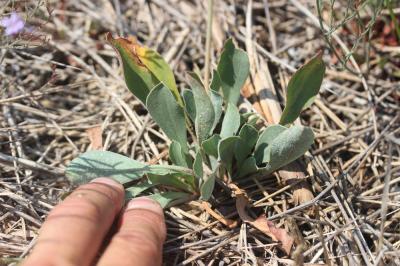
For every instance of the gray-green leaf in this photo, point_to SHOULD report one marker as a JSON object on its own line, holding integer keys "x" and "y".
{"x": 207, "y": 187}
{"x": 204, "y": 108}
{"x": 289, "y": 145}
{"x": 265, "y": 139}
{"x": 226, "y": 149}
{"x": 231, "y": 122}
{"x": 93, "y": 164}
{"x": 215, "y": 82}
{"x": 247, "y": 167}
{"x": 176, "y": 154}
{"x": 190, "y": 106}
{"x": 169, "y": 116}
{"x": 217, "y": 101}
{"x": 167, "y": 199}
{"x": 233, "y": 70}
{"x": 210, "y": 146}
{"x": 248, "y": 138}
{"x": 303, "y": 88}
{"x": 198, "y": 166}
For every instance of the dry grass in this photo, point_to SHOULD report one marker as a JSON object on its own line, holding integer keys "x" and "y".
{"x": 62, "y": 79}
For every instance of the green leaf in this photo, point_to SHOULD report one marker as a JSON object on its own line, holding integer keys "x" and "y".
{"x": 143, "y": 68}
{"x": 207, "y": 187}
{"x": 231, "y": 122}
{"x": 137, "y": 189}
{"x": 169, "y": 116}
{"x": 233, "y": 70}
{"x": 226, "y": 149}
{"x": 303, "y": 88}
{"x": 265, "y": 139}
{"x": 210, "y": 145}
{"x": 167, "y": 199}
{"x": 215, "y": 82}
{"x": 247, "y": 167}
{"x": 248, "y": 138}
{"x": 173, "y": 180}
{"x": 93, "y": 164}
{"x": 204, "y": 108}
{"x": 190, "y": 106}
{"x": 289, "y": 145}
{"x": 217, "y": 101}
{"x": 176, "y": 155}
{"x": 198, "y": 166}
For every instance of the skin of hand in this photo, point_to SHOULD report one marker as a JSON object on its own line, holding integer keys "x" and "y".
{"x": 77, "y": 231}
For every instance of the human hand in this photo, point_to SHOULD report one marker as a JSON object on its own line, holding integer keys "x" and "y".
{"x": 75, "y": 231}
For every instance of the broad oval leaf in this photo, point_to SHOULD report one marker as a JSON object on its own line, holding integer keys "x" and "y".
{"x": 289, "y": 145}
{"x": 233, "y": 69}
{"x": 93, "y": 164}
{"x": 207, "y": 187}
{"x": 247, "y": 167}
{"x": 226, "y": 149}
{"x": 205, "y": 115}
{"x": 265, "y": 139}
{"x": 215, "y": 82}
{"x": 217, "y": 101}
{"x": 169, "y": 116}
{"x": 143, "y": 68}
{"x": 177, "y": 156}
{"x": 190, "y": 105}
{"x": 210, "y": 146}
{"x": 303, "y": 87}
{"x": 198, "y": 166}
{"x": 231, "y": 122}
{"x": 248, "y": 138}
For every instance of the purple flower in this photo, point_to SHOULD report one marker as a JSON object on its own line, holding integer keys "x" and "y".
{"x": 13, "y": 24}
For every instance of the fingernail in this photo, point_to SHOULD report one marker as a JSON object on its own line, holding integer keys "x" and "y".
{"x": 144, "y": 203}
{"x": 108, "y": 181}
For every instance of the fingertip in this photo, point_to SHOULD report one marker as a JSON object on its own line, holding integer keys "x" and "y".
{"x": 108, "y": 181}
{"x": 145, "y": 203}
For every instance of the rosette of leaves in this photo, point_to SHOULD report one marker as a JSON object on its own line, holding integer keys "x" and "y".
{"x": 225, "y": 142}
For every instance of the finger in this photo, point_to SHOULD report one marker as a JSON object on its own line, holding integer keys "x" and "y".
{"x": 74, "y": 230}
{"x": 140, "y": 238}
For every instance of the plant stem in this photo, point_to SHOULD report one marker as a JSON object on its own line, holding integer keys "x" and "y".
{"x": 210, "y": 11}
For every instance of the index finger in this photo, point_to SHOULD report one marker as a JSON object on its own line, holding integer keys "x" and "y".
{"x": 74, "y": 230}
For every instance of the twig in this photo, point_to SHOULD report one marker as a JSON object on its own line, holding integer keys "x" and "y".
{"x": 207, "y": 62}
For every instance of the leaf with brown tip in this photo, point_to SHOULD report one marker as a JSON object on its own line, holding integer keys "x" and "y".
{"x": 143, "y": 68}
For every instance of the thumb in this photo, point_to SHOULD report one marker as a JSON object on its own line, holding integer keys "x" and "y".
{"x": 140, "y": 238}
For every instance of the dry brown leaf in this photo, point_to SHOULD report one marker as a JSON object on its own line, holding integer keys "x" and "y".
{"x": 95, "y": 137}
{"x": 262, "y": 224}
